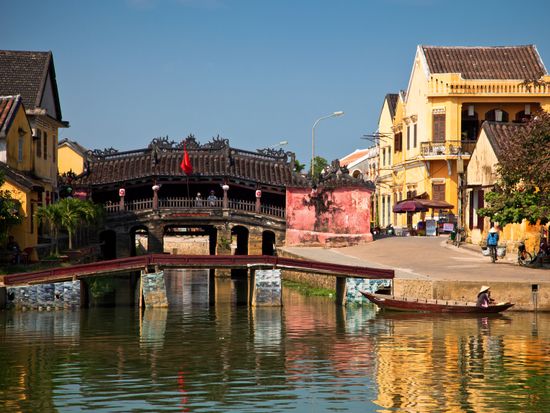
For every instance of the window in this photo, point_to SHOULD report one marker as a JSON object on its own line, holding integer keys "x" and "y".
{"x": 497, "y": 115}
{"x": 38, "y": 143}
{"x": 438, "y": 133}
{"x": 398, "y": 141}
{"x": 438, "y": 192}
{"x": 45, "y": 145}
{"x": 408, "y": 137}
{"x": 21, "y": 142}
{"x": 389, "y": 156}
{"x": 383, "y": 210}
{"x": 414, "y": 136}
{"x": 383, "y": 156}
{"x": 388, "y": 204}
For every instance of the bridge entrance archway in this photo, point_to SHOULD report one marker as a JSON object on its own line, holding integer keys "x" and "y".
{"x": 240, "y": 235}
{"x": 108, "y": 244}
{"x": 189, "y": 239}
{"x": 138, "y": 240}
{"x": 268, "y": 243}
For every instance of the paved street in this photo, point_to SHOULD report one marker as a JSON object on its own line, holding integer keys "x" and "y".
{"x": 426, "y": 258}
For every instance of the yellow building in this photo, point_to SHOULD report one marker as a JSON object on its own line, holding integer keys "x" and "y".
{"x": 71, "y": 157}
{"x": 31, "y": 76}
{"x": 16, "y": 158}
{"x": 451, "y": 91}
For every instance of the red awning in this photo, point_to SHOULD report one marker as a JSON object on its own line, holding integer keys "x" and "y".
{"x": 420, "y": 205}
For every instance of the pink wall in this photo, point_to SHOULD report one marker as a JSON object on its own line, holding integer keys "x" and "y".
{"x": 332, "y": 217}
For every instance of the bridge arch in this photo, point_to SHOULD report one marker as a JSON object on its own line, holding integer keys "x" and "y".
{"x": 139, "y": 240}
{"x": 107, "y": 239}
{"x": 240, "y": 235}
{"x": 268, "y": 242}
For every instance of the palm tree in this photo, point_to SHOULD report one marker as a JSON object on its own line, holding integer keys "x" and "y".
{"x": 51, "y": 215}
{"x": 74, "y": 212}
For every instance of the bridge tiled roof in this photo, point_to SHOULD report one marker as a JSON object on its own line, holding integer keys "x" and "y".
{"x": 215, "y": 159}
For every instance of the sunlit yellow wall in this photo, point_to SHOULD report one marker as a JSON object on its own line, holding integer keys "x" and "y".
{"x": 426, "y": 94}
{"x": 20, "y": 128}
{"x": 69, "y": 160}
{"x": 386, "y": 180}
{"x": 24, "y": 234}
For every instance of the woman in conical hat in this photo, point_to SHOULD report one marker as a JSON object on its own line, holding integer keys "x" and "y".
{"x": 484, "y": 296}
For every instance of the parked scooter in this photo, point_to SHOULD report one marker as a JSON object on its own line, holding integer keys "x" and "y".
{"x": 390, "y": 230}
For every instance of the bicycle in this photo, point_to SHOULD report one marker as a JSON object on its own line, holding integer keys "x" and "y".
{"x": 526, "y": 258}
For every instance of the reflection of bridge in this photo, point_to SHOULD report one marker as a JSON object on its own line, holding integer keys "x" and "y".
{"x": 161, "y": 261}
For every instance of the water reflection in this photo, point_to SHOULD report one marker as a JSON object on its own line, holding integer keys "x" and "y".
{"x": 309, "y": 355}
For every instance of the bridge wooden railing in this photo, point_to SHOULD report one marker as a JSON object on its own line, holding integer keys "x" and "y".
{"x": 193, "y": 204}
{"x": 102, "y": 268}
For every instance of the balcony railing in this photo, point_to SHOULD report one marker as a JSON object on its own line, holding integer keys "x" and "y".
{"x": 480, "y": 87}
{"x": 447, "y": 148}
{"x": 194, "y": 205}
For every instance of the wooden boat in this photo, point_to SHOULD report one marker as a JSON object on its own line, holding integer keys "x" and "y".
{"x": 389, "y": 302}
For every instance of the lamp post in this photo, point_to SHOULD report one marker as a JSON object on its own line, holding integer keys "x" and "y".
{"x": 281, "y": 143}
{"x": 332, "y": 115}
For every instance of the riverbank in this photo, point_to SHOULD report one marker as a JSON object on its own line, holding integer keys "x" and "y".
{"x": 428, "y": 267}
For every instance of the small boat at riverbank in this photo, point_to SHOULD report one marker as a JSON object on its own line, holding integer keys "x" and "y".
{"x": 389, "y": 302}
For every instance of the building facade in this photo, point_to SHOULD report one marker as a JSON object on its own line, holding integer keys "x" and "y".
{"x": 451, "y": 92}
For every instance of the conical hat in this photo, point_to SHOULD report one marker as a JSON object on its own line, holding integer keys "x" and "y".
{"x": 483, "y": 289}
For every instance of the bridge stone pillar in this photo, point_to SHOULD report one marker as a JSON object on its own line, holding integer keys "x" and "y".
{"x": 223, "y": 247}
{"x": 267, "y": 288}
{"x": 340, "y": 290}
{"x": 155, "y": 239}
{"x": 153, "y": 289}
{"x": 255, "y": 240}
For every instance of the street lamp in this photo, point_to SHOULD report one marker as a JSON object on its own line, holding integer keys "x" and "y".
{"x": 332, "y": 115}
{"x": 281, "y": 143}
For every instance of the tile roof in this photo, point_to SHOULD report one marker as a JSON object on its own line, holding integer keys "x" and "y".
{"x": 20, "y": 178}
{"x": 503, "y": 62}
{"x": 25, "y": 73}
{"x": 498, "y": 132}
{"x": 8, "y": 111}
{"x": 355, "y": 156}
{"x": 216, "y": 159}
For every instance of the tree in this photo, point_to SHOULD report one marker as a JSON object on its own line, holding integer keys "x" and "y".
{"x": 51, "y": 215}
{"x": 522, "y": 190}
{"x": 68, "y": 214}
{"x": 319, "y": 163}
{"x": 9, "y": 211}
{"x": 74, "y": 212}
{"x": 298, "y": 167}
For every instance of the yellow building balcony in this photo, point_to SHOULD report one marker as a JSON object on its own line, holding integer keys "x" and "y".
{"x": 454, "y": 84}
{"x": 447, "y": 149}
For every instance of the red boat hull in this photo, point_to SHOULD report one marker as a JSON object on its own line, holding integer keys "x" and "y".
{"x": 388, "y": 302}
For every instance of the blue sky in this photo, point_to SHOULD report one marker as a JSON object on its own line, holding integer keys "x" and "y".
{"x": 256, "y": 72}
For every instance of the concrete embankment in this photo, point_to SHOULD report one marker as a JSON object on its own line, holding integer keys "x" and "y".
{"x": 426, "y": 268}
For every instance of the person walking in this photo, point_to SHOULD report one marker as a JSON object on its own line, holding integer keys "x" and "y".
{"x": 492, "y": 242}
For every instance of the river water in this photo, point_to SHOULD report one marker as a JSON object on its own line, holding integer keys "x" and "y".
{"x": 308, "y": 356}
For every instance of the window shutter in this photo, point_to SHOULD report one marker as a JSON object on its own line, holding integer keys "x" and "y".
{"x": 408, "y": 137}
{"x": 438, "y": 192}
{"x": 438, "y": 134}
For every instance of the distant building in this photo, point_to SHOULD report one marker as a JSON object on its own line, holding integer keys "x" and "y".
{"x": 71, "y": 157}
{"x": 362, "y": 163}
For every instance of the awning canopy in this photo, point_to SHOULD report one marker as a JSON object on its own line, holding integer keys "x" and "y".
{"x": 420, "y": 205}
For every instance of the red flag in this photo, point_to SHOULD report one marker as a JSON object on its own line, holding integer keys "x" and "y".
{"x": 185, "y": 164}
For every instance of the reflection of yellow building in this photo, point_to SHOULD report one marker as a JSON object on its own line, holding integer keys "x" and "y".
{"x": 451, "y": 91}
{"x": 30, "y": 151}
{"x": 71, "y": 157}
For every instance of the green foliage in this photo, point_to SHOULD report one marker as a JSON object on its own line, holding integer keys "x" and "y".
{"x": 523, "y": 188}
{"x": 319, "y": 163}
{"x": 68, "y": 214}
{"x": 308, "y": 290}
{"x": 299, "y": 167}
{"x": 9, "y": 211}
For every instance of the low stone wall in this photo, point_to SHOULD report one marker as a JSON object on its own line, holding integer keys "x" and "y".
{"x": 521, "y": 294}
{"x": 53, "y": 296}
{"x": 267, "y": 288}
